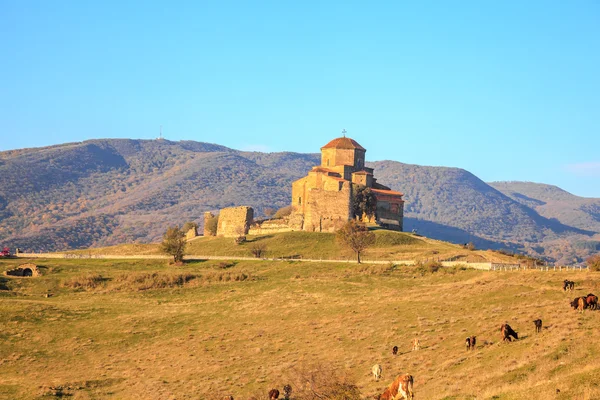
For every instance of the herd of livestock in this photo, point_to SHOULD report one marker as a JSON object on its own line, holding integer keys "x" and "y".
{"x": 402, "y": 386}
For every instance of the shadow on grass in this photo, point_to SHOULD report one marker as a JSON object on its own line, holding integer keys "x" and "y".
{"x": 259, "y": 238}
{"x": 3, "y": 283}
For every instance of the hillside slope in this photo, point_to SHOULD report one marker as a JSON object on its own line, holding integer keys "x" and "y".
{"x": 554, "y": 202}
{"x": 111, "y": 191}
{"x": 143, "y": 329}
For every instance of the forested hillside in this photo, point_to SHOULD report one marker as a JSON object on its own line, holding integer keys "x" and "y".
{"x": 104, "y": 192}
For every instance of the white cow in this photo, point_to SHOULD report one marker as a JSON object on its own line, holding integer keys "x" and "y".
{"x": 377, "y": 371}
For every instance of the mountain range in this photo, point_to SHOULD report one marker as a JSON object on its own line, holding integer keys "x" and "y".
{"x": 110, "y": 191}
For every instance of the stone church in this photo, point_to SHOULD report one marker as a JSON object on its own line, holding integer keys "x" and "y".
{"x": 322, "y": 200}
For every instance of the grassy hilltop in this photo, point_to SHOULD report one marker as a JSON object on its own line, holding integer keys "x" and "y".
{"x": 144, "y": 329}
{"x": 389, "y": 245}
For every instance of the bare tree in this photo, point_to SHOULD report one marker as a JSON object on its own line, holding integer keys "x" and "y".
{"x": 356, "y": 236}
{"x": 269, "y": 212}
{"x": 258, "y": 250}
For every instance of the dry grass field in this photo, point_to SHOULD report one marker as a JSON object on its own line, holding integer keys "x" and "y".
{"x": 146, "y": 330}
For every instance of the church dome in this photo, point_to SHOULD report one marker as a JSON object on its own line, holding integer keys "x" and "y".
{"x": 343, "y": 143}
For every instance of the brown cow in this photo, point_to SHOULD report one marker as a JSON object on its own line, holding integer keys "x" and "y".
{"x": 592, "y": 301}
{"x": 395, "y": 350}
{"x": 538, "y": 325}
{"x": 273, "y": 394}
{"x": 401, "y": 388}
{"x": 507, "y": 332}
{"x": 470, "y": 342}
{"x": 575, "y": 303}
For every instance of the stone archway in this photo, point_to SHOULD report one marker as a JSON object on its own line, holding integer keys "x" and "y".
{"x": 28, "y": 270}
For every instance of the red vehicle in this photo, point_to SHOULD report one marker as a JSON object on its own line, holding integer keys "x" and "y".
{"x": 5, "y": 252}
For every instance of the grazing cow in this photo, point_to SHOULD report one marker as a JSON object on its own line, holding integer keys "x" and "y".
{"x": 568, "y": 285}
{"x": 395, "y": 350}
{"x": 416, "y": 344}
{"x": 507, "y": 332}
{"x": 470, "y": 342}
{"x": 575, "y": 303}
{"x": 538, "y": 325}
{"x": 228, "y": 398}
{"x": 273, "y": 394}
{"x": 581, "y": 304}
{"x": 592, "y": 301}
{"x": 401, "y": 388}
{"x": 377, "y": 371}
{"x": 287, "y": 392}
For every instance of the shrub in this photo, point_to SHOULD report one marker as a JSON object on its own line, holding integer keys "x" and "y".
{"x": 593, "y": 262}
{"x": 174, "y": 243}
{"x": 190, "y": 225}
{"x": 430, "y": 267}
{"x": 154, "y": 280}
{"x": 87, "y": 281}
{"x": 258, "y": 250}
{"x": 283, "y": 212}
{"x": 323, "y": 382}
{"x": 210, "y": 224}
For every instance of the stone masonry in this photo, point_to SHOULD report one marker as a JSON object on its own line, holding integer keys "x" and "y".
{"x": 235, "y": 221}
{"x": 322, "y": 200}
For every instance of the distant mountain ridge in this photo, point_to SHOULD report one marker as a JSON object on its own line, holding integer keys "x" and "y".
{"x": 108, "y": 191}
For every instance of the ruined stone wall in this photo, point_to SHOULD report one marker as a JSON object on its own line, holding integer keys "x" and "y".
{"x": 191, "y": 233}
{"x": 327, "y": 211}
{"x": 270, "y": 226}
{"x": 234, "y": 221}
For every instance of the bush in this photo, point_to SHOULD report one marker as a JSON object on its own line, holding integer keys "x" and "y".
{"x": 174, "y": 243}
{"x": 258, "y": 250}
{"x": 283, "y": 212}
{"x": 190, "y": 225}
{"x": 323, "y": 382}
{"x": 87, "y": 281}
{"x": 210, "y": 224}
{"x": 430, "y": 267}
{"x": 154, "y": 280}
{"x": 593, "y": 262}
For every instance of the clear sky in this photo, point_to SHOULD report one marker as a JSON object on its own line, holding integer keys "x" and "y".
{"x": 509, "y": 90}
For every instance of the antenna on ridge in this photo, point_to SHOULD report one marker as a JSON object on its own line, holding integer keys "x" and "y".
{"x": 160, "y": 135}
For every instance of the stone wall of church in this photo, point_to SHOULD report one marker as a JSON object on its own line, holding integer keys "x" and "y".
{"x": 327, "y": 211}
{"x": 235, "y": 221}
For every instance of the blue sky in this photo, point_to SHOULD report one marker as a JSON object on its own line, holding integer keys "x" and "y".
{"x": 507, "y": 90}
